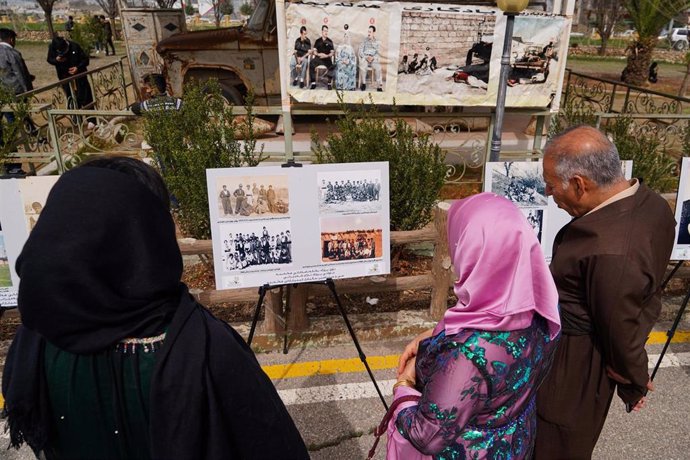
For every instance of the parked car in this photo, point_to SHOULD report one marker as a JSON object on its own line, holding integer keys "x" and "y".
{"x": 630, "y": 33}
{"x": 679, "y": 38}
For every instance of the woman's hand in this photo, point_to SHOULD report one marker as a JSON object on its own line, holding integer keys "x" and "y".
{"x": 410, "y": 351}
{"x": 409, "y": 373}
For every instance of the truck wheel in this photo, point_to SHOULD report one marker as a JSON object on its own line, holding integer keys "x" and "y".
{"x": 232, "y": 95}
{"x": 680, "y": 45}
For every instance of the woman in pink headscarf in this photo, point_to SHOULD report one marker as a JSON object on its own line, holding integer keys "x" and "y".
{"x": 477, "y": 372}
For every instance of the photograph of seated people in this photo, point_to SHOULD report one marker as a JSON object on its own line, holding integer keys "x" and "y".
{"x": 250, "y": 200}
{"x": 358, "y": 190}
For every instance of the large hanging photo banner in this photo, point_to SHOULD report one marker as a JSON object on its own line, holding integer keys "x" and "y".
{"x": 522, "y": 182}
{"x": 21, "y": 203}
{"x": 681, "y": 248}
{"x": 273, "y": 225}
{"x": 421, "y": 54}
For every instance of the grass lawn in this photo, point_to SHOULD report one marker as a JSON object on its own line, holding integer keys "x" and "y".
{"x": 5, "y": 280}
{"x": 670, "y": 75}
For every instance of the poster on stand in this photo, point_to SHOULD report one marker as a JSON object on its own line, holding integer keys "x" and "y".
{"x": 522, "y": 182}
{"x": 681, "y": 248}
{"x": 421, "y": 54}
{"x": 273, "y": 225}
{"x": 21, "y": 202}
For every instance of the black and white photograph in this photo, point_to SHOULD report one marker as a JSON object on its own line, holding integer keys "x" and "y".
{"x": 256, "y": 244}
{"x": 535, "y": 217}
{"x": 351, "y": 238}
{"x": 349, "y": 192}
{"x": 241, "y": 197}
{"x": 681, "y": 250}
{"x": 520, "y": 182}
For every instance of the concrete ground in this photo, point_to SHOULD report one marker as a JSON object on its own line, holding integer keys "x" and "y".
{"x": 335, "y": 406}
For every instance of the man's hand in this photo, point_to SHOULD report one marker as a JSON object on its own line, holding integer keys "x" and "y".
{"x": 411, "y": 351}
{"x": 60, "y": 58}
{"x": 72, "y": 70}
{"x": 642, "y": 402}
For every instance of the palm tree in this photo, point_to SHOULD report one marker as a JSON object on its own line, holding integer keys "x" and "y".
{"x": 648, "y": 18}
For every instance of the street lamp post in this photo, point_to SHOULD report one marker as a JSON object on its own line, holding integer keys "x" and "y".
{"x": 510, "y": 9}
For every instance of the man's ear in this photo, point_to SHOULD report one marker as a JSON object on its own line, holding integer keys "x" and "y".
{"x": 579, "y": 185}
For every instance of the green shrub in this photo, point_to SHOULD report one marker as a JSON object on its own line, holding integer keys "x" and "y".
{"x": 11, "y": 132}
{"x": 200, "y": 136}
{"x": 85, "y": 35}
{"x": 416, "y": 165}
{"x": 651, "y": 160}
{"x": 246, "y": 9}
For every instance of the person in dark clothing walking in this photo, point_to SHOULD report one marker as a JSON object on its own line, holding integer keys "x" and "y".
{"x": 69, "y": 60}
{"x": 107, "y": 35}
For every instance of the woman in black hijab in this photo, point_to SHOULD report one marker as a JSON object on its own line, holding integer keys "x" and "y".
{"x": 115, "y": 359}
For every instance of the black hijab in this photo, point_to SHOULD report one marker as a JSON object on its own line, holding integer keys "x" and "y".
{"x": 102, "y": 264}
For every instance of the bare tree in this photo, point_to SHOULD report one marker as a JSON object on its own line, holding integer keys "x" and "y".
{"x": 47, "y": 7}
{"x": 607, "y": 13}
{"x": 109, "y": 7}
{"x": 220, "y": 9}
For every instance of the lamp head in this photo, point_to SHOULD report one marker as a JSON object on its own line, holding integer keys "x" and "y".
{"x": 512, "y": 6}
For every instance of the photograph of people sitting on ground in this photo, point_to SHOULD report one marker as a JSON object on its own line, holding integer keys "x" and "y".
{"x": 252, "y": 196}
{"x": 349, "y": 192}
{"x": 351, "y": 238}
{"x": 520, "y": 182}
{"x": 256, "y": 244}
{"x": 436, "y": 67}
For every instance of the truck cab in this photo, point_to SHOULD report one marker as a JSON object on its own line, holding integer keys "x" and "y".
{"x": 241, "y": 58}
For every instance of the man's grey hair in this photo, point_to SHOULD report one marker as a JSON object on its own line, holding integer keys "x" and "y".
{"x": 600, "y": 164}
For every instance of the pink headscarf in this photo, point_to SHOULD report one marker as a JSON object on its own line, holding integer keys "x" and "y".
{"x": 503, "y": 278}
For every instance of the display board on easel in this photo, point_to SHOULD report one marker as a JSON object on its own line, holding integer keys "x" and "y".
{"x": 681, "y": 247}
{"x": 21, "y": 202}
{"x": 522, "y": 182}
{"x": 273, "y": 225}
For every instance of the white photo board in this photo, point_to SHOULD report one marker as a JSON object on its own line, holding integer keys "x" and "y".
{"x": 522, "y": 182}
{"x": 21, "y": 202}
{"x": 292, "y": 225}
{"x": 681, "y": 248}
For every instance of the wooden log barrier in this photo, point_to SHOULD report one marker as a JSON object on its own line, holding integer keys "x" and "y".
{"x": 441, "y": 265}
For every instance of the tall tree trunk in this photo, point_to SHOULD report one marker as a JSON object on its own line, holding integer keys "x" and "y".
{"x": 639, "y": 59}
{"x": 49, "y": 21}
{"x": 604, "y": 44}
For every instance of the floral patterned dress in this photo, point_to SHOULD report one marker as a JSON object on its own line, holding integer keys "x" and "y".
{"x": 479, "y": 391}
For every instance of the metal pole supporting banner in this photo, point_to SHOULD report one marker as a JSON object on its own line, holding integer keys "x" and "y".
{"x": 284, "y": 76}
{"x": 502, "y": 88}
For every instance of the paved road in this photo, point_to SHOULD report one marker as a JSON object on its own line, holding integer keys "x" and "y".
{"x": 337, "y": 412}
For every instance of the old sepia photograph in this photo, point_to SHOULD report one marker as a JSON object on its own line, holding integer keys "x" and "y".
{"x": 241, "y": 197}
{"x": 535, "y": 217}
{"x": 256, "y": 244}
{"x": 520, "y": 182}
{"x": 349, "y": 192}
{"x": 351, "y": 238}
{"x": 34, "y": 192}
